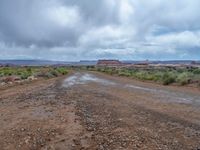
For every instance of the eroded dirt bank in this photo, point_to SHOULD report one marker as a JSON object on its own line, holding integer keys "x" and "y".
{"x": 94, "y": 111}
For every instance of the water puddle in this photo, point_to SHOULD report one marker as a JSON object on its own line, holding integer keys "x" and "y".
{"x": 79, "y": 78}
{"x": 140, "y": 88}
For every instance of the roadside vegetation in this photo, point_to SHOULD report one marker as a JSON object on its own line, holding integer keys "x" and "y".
{"x": 18, "y": 74}
{"x": 165, "y": 76}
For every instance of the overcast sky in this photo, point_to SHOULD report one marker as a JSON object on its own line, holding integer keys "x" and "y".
{"x": 96, "y": 29}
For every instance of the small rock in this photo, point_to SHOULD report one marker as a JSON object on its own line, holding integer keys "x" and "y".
{"x": 3, "y": 83}
{"x": 22, "y": 129}
{"x": 31, "y": 78}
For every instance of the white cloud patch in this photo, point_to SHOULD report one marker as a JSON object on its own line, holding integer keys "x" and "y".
{"x": 126, "y": 11}
{"x": 64, "y": 16}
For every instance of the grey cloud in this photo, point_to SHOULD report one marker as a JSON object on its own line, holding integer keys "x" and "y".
{"x": 25, "y": 23}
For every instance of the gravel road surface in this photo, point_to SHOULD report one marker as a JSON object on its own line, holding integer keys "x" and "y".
{"x": 90, "y": 110}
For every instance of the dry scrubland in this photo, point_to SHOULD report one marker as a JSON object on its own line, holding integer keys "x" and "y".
{"x": 10, "y": 75}
{"x": 163, "y": 75}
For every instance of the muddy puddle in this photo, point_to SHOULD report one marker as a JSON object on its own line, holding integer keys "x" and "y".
{"x": 85, "y": 78}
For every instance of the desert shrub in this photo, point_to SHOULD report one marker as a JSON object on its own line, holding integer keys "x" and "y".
{"x": 41, "y": 74}
{"x": 126, "y": 73}
{"x": 109, "y": 71}
{"x": 62, "y": 70}
{"x": 158, "y": 76}
{"x": 183, "y": 78}
{"x": 8, "y": 72}
{"x": 29, "y": 69}
{"x": 50, "y": 72}
{"x": 168, "y": 78}
{"x": 91, "y": 68}
{"x": 99, "y": 69}
{"x": 19, "y": 72}
{"x": 103, "y": 70}
{"x": 24, "y": 75}
{"x": 48, "y": 75}
{"x": 44, "y": 74}
{"x": 54, "y": 73}
{"x": 196, "y": 71}
{"x": 143, "y": 75}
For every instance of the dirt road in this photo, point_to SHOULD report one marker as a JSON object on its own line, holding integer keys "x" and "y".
{"x": 88, "y": 110}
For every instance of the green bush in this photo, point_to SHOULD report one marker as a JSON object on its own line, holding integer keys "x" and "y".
{"x": 62, "y": 70}
{"x": 24, "y": 75}
{"x": 99, "y": 69}
{"x": 109, "y": 71}
{"x": 168, "y": 78}
{"x": 126, "y": 73}
{"x": 144, "y": 75}
{"x": 29, "y": 69}
{"x": 158, "y": 76}
{"x": 48, "y": 75}
{"x": 54, "y": 73}
{"x": 196, "y": 71}
{"x": 183, "y": 78}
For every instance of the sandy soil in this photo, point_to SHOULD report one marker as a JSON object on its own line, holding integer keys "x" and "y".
{"x": 89, "y": 110}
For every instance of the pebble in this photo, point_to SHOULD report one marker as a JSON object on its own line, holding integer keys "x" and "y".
{"x": 22, "y": 129}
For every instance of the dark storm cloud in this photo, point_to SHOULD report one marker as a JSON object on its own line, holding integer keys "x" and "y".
{"x": 92, "y": 29}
